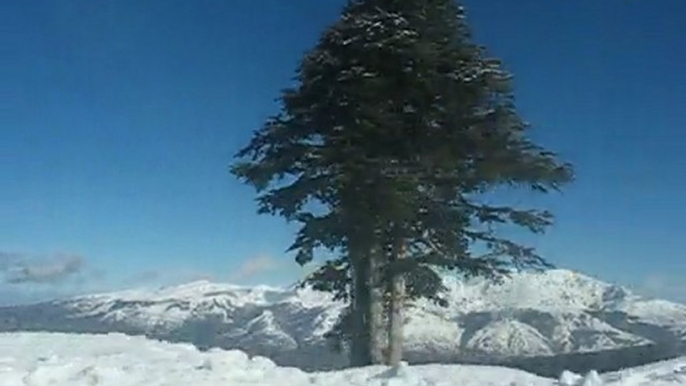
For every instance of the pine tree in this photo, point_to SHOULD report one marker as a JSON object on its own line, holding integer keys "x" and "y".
{"x": 397, "y": 127}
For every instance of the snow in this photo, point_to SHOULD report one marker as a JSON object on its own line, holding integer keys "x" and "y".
{"x": 171, "y": 306}
{"x": 568, "y": 378}
{"x": 658, "y": 312}
{"x": 510, "y": 336}
{"x": 40, "y": 359}
{"x": 43, "y": 359}
{"x": 240, "y": 294}
{"x": 555, "y": 289}
{"x": 592, "y": 379}
{"x": 443, "y": 336}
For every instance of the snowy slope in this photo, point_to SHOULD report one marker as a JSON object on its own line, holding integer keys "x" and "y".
{"x": 510, "y": 336}
{"x": 42, "y": 359}
{"x": 529, "y": 314}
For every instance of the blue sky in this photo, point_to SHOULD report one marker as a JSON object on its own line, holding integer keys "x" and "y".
{"x": 119, "y": 120}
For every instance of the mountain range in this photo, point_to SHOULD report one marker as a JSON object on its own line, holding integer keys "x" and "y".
{"x": 527, "y": 315}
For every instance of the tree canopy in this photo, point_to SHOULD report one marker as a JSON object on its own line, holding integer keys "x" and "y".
{"x": 397, "y": 127}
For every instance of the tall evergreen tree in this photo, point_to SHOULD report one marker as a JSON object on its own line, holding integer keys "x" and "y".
{"x": 398, "y": 126}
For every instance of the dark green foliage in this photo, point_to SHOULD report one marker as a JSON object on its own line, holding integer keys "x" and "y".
{"x": 399, "y": 122}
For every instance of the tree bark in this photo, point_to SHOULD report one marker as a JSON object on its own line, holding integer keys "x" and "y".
{"x": 397, "y": 301}
{"x": 359, "y": 339}
{"x": 376, "y": 307}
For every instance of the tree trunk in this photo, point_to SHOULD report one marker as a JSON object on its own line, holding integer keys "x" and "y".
{"x": 397, "y": 301}
{"x": 376, "y": 307}
{"x": 359, "y": 337}
{"x": 367, "y": 337}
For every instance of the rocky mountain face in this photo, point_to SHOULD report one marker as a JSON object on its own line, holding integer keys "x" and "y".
{"x": 553, "y": 314}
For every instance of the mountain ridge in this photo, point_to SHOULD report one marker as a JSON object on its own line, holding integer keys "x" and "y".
{"x": 528, "y": 314}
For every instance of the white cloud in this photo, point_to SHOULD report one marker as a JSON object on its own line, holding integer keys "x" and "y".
{"x": 664, "y": 286}
{"x": 22, "y": 268}
{"x": 256, "y": 266}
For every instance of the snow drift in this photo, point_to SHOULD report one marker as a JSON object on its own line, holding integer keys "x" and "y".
{"x": 42, "y": 359}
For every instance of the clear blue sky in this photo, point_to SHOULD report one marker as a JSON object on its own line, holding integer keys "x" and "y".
{"x": 119, "y": 120}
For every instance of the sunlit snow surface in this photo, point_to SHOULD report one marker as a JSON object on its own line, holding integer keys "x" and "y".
{"x": 41, "y": 359}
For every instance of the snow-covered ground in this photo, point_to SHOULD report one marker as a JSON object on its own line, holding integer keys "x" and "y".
{"x": 42, "y": 359}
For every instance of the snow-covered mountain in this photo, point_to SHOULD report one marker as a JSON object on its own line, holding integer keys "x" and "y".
{"x": 527, "y": 315}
